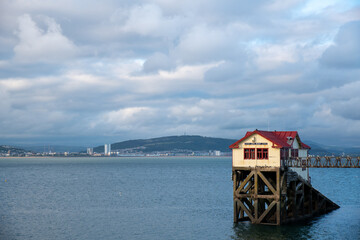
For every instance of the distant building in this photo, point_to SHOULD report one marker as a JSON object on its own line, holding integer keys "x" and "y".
{"x": 90, "y": 151}
{"x": 107, "y": 149}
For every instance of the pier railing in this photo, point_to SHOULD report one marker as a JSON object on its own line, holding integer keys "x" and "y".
{"x": 323, "y": 162}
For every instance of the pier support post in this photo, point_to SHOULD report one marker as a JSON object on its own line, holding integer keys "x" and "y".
{"x": 273, "y": 196}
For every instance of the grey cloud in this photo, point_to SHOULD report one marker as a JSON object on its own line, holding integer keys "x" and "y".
{"x": 204, "y": 43}
{"x": 158, "y": 61}
{"x": 345, "y": 52}
{"x": 37, "y": 45}
{"x": 347, "y": 109}
{"x": 231, "y": 72}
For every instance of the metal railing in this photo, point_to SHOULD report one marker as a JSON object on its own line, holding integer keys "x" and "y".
{"x": 322, "y": 162}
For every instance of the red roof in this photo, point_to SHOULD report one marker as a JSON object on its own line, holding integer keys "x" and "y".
{"x": 279, "y": 138}
{"x": 303, "y": 145}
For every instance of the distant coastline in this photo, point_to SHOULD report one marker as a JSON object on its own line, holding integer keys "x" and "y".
{"x": 171, "y": 146}
{"x": 179, "y": 156}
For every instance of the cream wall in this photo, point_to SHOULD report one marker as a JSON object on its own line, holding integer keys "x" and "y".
{"x": 302, "y": 154}
{"x": 273, "y": 153}
{"x": 295, "y": 144}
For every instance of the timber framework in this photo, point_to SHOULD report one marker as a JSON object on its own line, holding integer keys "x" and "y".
{"x": 269, "y": 195}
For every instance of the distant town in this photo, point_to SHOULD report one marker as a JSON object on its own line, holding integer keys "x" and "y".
{"x": 163, "y": 146}
{"x": 9, "y": 151}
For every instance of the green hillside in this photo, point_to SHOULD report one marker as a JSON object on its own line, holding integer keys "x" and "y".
{"x": 5, "y": 149}
{"x": 192, "y": 143}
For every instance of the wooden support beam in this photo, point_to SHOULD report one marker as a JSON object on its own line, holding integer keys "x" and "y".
{"x": 250, "y": 205}
{"x": 294, "y": 200}
{"x": 235, "y": 179}
{"x": 246, "y": 210}
{"x": 268, "y": 184}
{"x": 256, "y": 205}
{"x": 247, "y": 187}
{"x": 242, "y": 185}
{"x": 278, "y": 192}
{"x": 273, "y": 203}
{"x": 236, "y": 211}
{"x": 241, "y": 214}
{"x": 276, "y": 197}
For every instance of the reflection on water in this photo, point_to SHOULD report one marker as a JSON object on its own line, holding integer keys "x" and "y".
{"x": 342, "y": 223}
{"x": 247, "y": 230}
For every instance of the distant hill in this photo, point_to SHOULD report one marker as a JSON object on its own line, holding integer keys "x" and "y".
{"x": 199, "y": 143}
{"x": 322, "y": 150}
{"x": 55, "y": 148}
{"x": 186, "y": 142}
{"x": 317, "y": 149}
{"x": 5, "y": 149}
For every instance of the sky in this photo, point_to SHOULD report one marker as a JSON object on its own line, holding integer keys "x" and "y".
{"x": 85, "y": 73}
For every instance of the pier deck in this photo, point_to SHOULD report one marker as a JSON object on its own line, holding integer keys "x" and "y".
{"x": 323, "y": 162}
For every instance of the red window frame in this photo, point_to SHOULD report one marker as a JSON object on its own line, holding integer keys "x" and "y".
{"x": 262, "y": 153}
{"x": 249, "y": 153}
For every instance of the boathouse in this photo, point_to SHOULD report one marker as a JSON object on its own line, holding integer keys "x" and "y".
{"x": 269, "y": 149}
{"x": 267, "y": 188}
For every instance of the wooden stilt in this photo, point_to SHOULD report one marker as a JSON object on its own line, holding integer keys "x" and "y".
{"x": 274, "y": 196}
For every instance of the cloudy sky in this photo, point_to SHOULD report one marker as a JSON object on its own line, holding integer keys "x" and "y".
{"x": 83, "y": 73}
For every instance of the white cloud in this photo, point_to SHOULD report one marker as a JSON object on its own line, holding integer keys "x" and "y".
{"x": 203, "y": 44}
{"x": 182, "y": 78}
{"x": 279, "y": 5}
{"x": 15, "y": 84}
{"x": 145, "y": 19}
{"x": 316, "y": 7}
{"x": 271, "y": 56}
{"x": 149, "y": 20}
{"x": 125, "y": 117}
{"x": 37, "y": 45}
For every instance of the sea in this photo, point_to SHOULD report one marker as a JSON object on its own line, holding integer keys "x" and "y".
{"x": 151, "y": 198}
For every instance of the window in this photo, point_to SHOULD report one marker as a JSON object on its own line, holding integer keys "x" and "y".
{"x": 262, "y": 153}
{"x": 294, "y": 153}
{"x": 284, "y": 153}
{"x": 249, "y": 153}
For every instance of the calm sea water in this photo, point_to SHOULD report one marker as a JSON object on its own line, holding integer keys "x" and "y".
{"x": 151, "y": 198}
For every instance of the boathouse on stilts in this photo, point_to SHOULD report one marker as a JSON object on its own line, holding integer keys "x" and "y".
{"x": 268, "y": 191}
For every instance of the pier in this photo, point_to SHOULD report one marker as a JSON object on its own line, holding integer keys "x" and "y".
{"x": 271, "y": 182}
{"x": 323, "y": 162}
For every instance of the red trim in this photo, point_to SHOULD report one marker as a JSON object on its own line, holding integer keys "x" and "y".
{"x": 249, "y": 153}
{"x": 303, "y": 145}
{"x": 262, "y": 153}
{"x": 278, "y": 138}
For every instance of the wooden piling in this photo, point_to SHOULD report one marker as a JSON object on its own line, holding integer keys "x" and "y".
{"x": 274, "y": 196}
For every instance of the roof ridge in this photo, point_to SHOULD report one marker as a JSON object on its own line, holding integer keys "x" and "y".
{"x": 279, "y": 138}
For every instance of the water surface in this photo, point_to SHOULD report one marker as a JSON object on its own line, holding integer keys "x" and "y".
{"x": 151, "y": 198}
